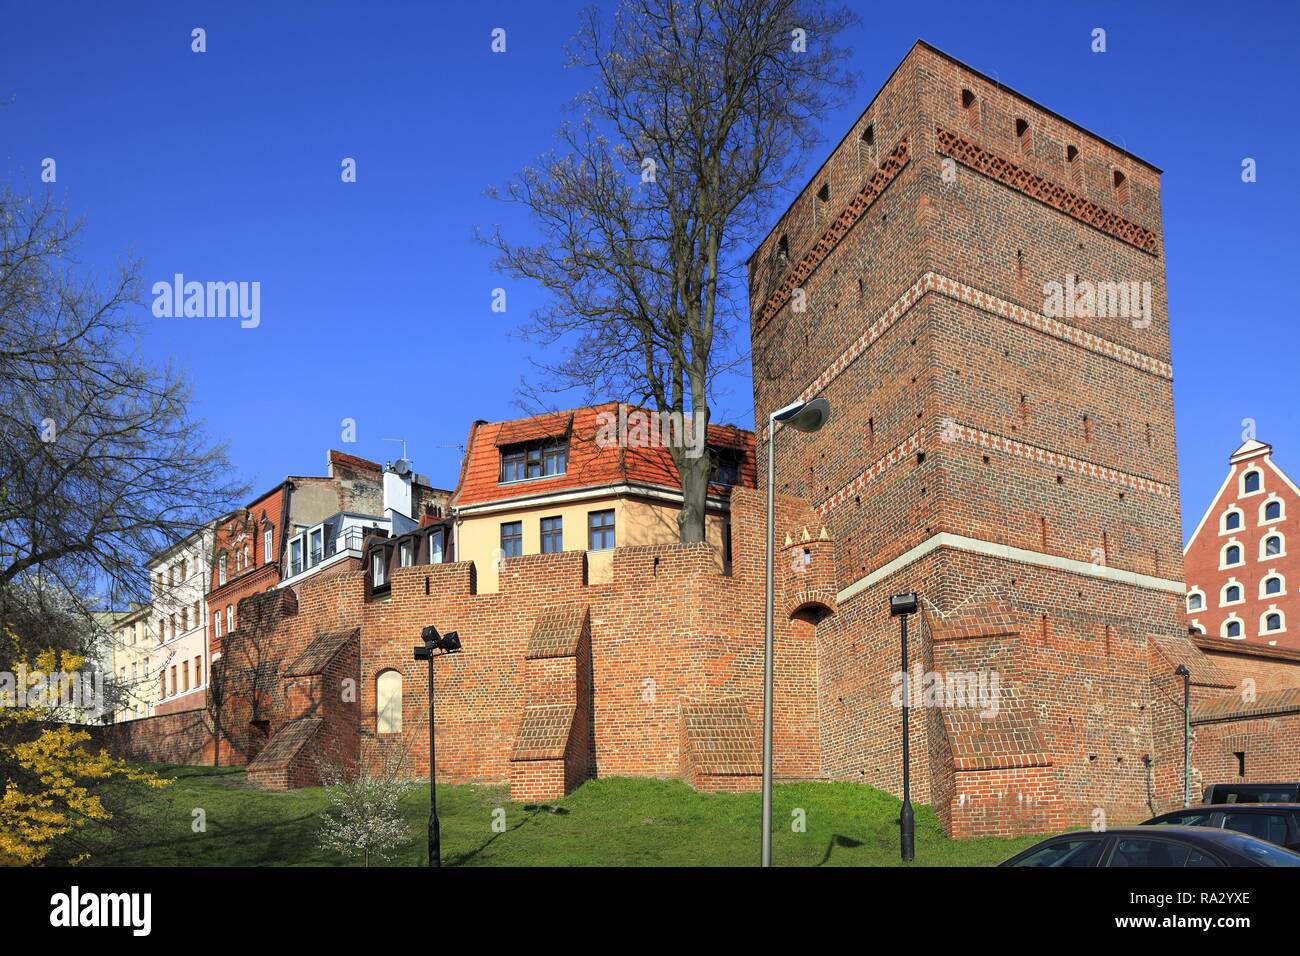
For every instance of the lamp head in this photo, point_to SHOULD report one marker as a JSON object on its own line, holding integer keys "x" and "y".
{"x": 902, "y": 603}
{"x": 1182, "y": 671}
{"x": 808, "y": 417}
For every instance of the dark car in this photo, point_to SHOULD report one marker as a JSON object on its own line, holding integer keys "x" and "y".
{"x": 1275, "y": 822}
{"x": 1151, "y": 847}
{"x": 1252, "y": 793}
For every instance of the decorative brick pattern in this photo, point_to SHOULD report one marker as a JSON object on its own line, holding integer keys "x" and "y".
{"x": 956, "y": 431}
{"x": 1044, "y": 190}
{"x": 837, "y": 230}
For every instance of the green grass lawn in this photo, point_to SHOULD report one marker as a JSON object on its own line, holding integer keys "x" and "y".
{"x": 614, "y": 822}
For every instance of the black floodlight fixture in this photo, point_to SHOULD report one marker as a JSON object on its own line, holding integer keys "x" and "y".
{"x": 902, "y": 603}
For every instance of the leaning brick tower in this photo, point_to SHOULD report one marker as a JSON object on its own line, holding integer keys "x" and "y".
{"x": 1007, "y": 453}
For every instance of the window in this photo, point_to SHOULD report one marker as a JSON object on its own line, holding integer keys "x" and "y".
{"x": 1271, "y": 585}
{"x": 1232, "y": 628}
{"x": 185, "y": 675}
{"x": 1231, "y": 555}
{"x": 185, "y": 619}
{"x": 171, "y": 576}
{"x": 1076, "y": 852}
{"x": 600, "y": 530}
{"x": 512, "y": 539}
{"x": 1272, "y": 546}
{"x": 782, "y": 251}
{"x": 406, "y": 554}
{"x": 295, "y": 556}
{"x": 388, "y": 703}
{"x": 1272, "y": 621}
{"x": 534, "y": 461}
{"x": 230, "y": 619}
{"x": 435, "y": 546}
{"x": 198, "y": 672}
{"x": 867, "y": 148}
{"x": 1232, "y": 520}
{"x": 216, "y": 624}
{"x": 1250, "y": 483}
{"x": 1136, "y": 851}
{"x": 726, "y": 466}
{"x": 173, "y": 679}
{"x": 315, "y": 547}
{"x": 1266, "y": 826}
{"x": 182, "y": 569}
{"x": 1272, "y": 510}
{"x": 821, "y": 204}
{"x": 248, "y": 554}
{"x": 1121, "y": 186}
{"x": 552, "y": 535}
{"x": 1232, "y": 594}
{"x": 171, "y": 622}
{"x": 1024, "y": 137}
{"x": 221, "y": 570}
{"x": 378, "y": 569}
{"x": 969, "y": 108}
{"x": 1195, "y": 601}
{"x": 267, "y": 537}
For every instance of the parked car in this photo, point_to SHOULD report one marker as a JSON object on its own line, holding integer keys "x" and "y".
{"x": 1154, "y": 847}
{"x": 1252, "y": 793}
{"x": 1275, "y": 822}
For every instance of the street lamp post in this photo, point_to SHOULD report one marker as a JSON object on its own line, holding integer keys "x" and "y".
{"x": 1186, "y": 675}
{"x": 805, "y": 417}
{"x": 441, "y": 644}
{"x": 901, "y": 605}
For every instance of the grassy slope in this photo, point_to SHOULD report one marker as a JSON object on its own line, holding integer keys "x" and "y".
{"x": 615, "y": 822}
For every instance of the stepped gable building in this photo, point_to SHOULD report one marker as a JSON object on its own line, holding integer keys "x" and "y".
{"x": 1243, "y": 572}
{"x": 976, "y": 285}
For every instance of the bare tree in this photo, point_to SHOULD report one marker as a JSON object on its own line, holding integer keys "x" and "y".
{"x": 698, "y": 118}
{"x": 101, "y": 464}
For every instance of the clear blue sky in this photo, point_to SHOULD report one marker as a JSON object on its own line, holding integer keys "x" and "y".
{"x": 375, "y": 297}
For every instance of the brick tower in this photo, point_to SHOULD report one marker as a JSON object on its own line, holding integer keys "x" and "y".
{"x": 977, "y": 286}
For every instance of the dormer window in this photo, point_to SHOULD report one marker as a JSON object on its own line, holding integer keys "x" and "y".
{"x": 540, "y": 460}
{"x": 725, "y": 469}
{"x": 378, "y": 569}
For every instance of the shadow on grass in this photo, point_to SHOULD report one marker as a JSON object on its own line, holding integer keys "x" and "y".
{"x": 841, "y": 841}
{"x": 459, "y": 859}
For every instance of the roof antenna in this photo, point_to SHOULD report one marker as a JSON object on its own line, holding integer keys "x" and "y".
{"x": 403, "y": 465}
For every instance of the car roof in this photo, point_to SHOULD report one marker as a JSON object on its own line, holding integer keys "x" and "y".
{"x": 1274, "y": 805}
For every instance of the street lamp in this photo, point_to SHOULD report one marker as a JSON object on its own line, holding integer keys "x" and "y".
{"x": 805, "y": 417}
{"x": 1186, "y": 675}
{"x": 441, "y": 644}
{"x": 901, "y": 605}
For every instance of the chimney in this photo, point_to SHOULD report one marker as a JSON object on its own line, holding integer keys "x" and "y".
{"x": 397, "y": 496}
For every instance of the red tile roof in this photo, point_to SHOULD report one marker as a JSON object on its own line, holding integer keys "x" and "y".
{"x": 591, "y": 464}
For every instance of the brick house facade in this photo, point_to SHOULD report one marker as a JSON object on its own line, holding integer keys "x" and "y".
{"x": 1243, "y": 569}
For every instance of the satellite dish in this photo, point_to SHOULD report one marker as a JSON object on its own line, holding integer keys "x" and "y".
{"x": 402, "y": 467}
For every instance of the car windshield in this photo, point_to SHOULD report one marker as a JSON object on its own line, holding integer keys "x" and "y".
{"x": 1263, "y": 853}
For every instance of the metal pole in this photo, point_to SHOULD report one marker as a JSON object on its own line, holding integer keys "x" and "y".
{"x": 435, "y": 839}
{"x": 906, "y": 821}
{"x": 1187, "y": 739}
{"x": 767, "y": 649}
